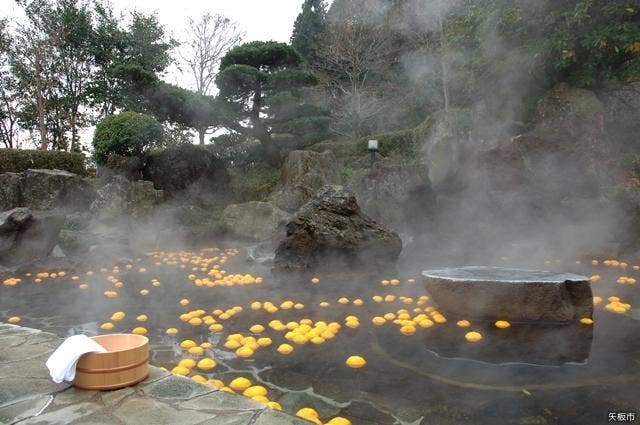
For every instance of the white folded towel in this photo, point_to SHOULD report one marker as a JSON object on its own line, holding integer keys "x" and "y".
{"x": 62, "y": 362}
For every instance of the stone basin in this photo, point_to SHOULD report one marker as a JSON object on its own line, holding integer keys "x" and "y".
{"x": 494, "y": 293}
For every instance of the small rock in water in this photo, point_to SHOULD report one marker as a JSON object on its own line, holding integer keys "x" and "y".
{"x": 57, "y": 252}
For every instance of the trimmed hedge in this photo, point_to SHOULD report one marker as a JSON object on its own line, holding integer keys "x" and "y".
{"x": 127, "y": 133}
{"x": 19, "y": 160}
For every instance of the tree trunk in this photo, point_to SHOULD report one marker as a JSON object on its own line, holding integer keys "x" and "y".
{"x": 443, "y": 64}
{"x": 201, "y": 134}
{"x": 40, "y": 99}
{"x": 42, "y": 126}
{"x": 75, "y": 139}
{"x": 271, "y": 151}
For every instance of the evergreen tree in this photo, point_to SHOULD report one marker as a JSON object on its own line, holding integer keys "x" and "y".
{"x": 260, "y": 83}
{"x": 309, "y": 29}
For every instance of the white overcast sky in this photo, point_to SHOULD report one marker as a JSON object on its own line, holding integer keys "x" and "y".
{"x": 259, "y": 19}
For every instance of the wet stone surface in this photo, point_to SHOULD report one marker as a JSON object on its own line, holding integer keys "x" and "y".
{"x": 28, "y": 396}
{"x": 497, "y": 293}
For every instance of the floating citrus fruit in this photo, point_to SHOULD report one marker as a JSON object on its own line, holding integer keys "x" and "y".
{"x": 206, "y": 364}
{"x": 244, "y": 351}
{"x": 188, "y": 363}
{"x": 179, "y": 370}
{"x": 240, "y": 384}
{"x": 338, "y": 420}
{"x": 187, "y": 343}
{"x": 463, "y": 323}
{"x": 502, "y": 324}
{"x": 255, "y": 390}
{"x": 285, "y": 349}
{"x": 473, "y": 336}
{"x": 118, "y": 315}
{"x": 274, "y": 405}
{"x": 378, "y": 321}
{"x": 356, "y": 362}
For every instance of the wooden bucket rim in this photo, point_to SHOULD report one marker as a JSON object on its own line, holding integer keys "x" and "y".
{"x": 112, "y": 386}
{"x": 143, "y": 341}
{"x": 115, "y": 369}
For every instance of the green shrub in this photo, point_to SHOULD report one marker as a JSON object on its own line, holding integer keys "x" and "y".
{"x": 127, "y": 134}
{"x": 176, "y": 168}
{"x": 19, "y": 160}
{"x": 402, "y": 144}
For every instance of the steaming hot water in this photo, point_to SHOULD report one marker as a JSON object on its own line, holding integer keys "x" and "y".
{"x": 371, "y": 350}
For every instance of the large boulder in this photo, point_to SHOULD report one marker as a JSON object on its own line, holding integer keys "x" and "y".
{"x": 119, "y": 197}
{"x": 303, "y": 173}
{"x": 549, "y": 179}
{"x": 495, "y": 293}
{"x": 27, "y": 236}
{"x": 567, "y": 145}
{"x": 398, "y": 195}
{"x": 48, "y": 189}
{"x": 10, "y": 194}
{"x": 177, "y": 168}
{"x": 442, "y": 140}
{"x": 142, "y": 198}
{"x": 45, "y": 190}
{"x": 254, "y": 221}
{"x": 622, "y": 114}
{"x": 331, "y": 232}
{"x": 184, "y": 223}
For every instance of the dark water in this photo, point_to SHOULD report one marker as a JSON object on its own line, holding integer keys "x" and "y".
{"x": 573, "y": 374}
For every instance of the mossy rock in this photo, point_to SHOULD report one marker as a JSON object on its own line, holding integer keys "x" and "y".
{"x": 569, "y": 114}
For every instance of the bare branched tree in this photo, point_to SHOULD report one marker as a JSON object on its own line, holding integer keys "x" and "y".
{"x": 357, "y": 53}
{"x": 33, "y": 61}
{"x": 424, "y": 21}
{"x": 9, "y": 92}
{"x": 209, "y": 39}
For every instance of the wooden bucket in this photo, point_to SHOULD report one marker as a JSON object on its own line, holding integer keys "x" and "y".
{"x": 125, "y": 363}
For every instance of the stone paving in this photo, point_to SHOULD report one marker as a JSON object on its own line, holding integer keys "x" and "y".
{"x": 29, "y": 396}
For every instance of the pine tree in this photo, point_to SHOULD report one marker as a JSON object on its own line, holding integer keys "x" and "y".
{"x": 260, "y": 84}
{"x": 309, "y": 29}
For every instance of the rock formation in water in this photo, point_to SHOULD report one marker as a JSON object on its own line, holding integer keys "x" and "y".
{"x": 26, "y": 235}
{"x": 330, "y": 232}
{"x": 494, "y": 293}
